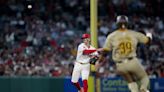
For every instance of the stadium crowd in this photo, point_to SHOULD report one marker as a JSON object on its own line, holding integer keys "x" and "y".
{"x": 40, "y": 38}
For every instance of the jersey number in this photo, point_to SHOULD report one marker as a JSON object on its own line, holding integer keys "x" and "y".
{"x": 125, "y": 48}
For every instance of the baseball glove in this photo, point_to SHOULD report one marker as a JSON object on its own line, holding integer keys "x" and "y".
{"x": 93, "y": 60}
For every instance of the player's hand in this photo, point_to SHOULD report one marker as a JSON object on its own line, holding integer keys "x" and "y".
{"x": 149, "y": 34}
{"x": 100, "y": 50}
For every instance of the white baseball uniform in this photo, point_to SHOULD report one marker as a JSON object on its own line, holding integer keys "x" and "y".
{"x": 82, "y": 65}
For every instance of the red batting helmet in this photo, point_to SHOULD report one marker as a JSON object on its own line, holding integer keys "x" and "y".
{"x": 85, "y": 36}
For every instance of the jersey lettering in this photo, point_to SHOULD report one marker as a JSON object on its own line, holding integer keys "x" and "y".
{"x": 125, "y": 48}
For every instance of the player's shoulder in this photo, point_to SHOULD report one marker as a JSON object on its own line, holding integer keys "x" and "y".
{"x": 132, "y": 32}
{"x": 81, "y": 45}
{"x": 110, "y": 35}
{"x": 135, "y": 32}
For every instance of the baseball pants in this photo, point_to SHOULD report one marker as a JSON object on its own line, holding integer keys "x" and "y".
{"x": 134, "y": 67}
{"x": 82, "y": 70}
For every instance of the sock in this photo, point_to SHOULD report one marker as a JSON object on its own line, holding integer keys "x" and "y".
{"x": 77, "y": 85}
{"x": 85, "y": 85}
{"x": 133, "y": 87}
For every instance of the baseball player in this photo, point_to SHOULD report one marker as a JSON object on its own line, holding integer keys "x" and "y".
{"x": 123, "y": 44}
{"x": 85, "y": 54}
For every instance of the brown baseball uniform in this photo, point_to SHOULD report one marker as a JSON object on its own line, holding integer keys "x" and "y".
{"x": 123, "y": 45}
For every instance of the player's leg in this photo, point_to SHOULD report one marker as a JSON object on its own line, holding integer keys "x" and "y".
{"x": 76, "y": 75}
{"x": 141, "y": 74}
{"x": 144, "y": 82}
{"x": 132, "y": 85}
{"x": 85, "y": 74}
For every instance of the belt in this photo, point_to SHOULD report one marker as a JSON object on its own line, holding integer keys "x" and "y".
{"x": 82, "y": 63}
{"x": 128, "y": 58}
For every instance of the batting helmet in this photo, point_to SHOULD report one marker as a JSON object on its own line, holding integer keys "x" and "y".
{"x": 122, "y": 20}
{"x": 85, "y": 36}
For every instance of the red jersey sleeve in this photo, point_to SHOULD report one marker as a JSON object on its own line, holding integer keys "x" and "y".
{"x": 87, "y": 52}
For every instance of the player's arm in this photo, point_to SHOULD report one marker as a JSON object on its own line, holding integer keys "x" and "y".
{"x": 84, "y": 51}
{"x": 88, "y": 51}
{"x": 102, "y": 53}
{"x": 144, "y": 37}
{"x": 106, "y": 48}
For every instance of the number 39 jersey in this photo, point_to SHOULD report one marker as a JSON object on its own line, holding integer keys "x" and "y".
{"x": 124, "y": 43}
